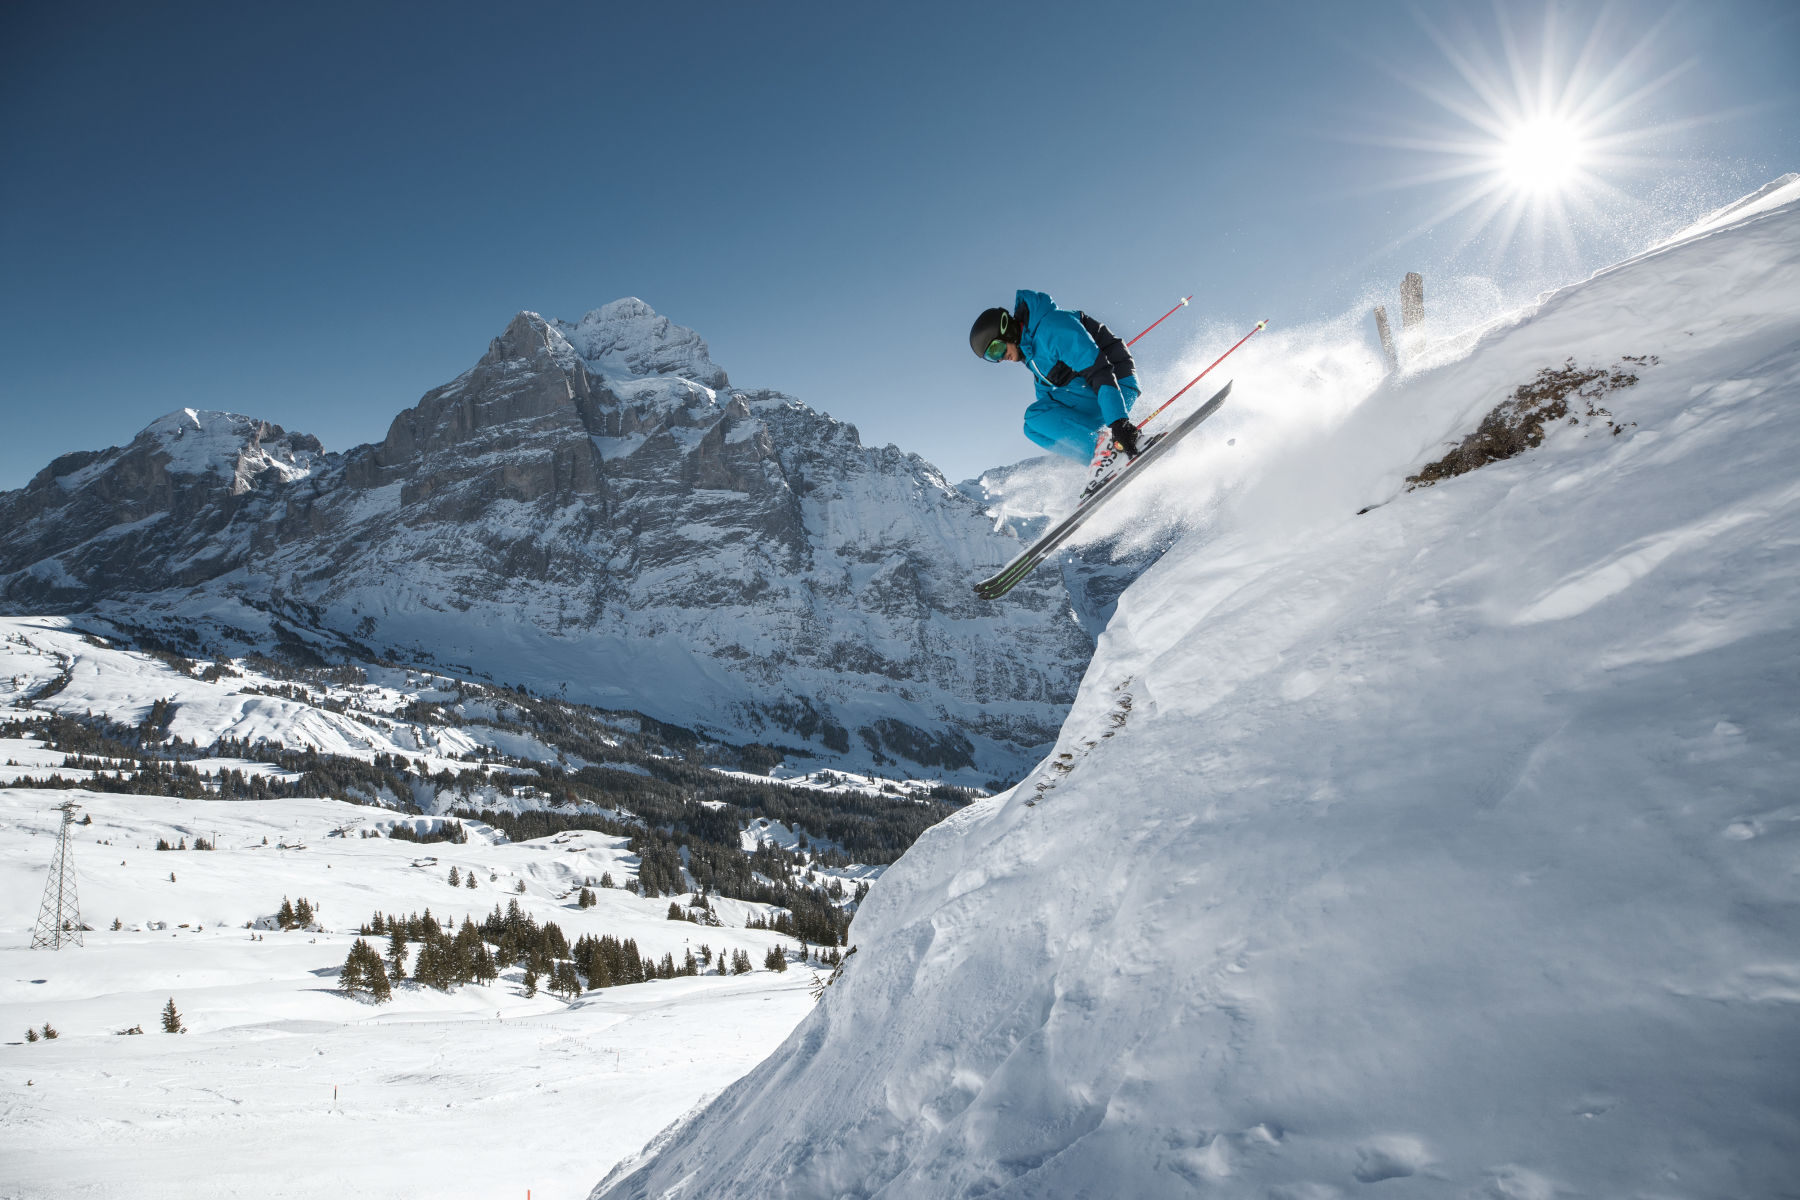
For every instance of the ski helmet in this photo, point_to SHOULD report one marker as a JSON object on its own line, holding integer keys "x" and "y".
{"x": 994, "y": 325}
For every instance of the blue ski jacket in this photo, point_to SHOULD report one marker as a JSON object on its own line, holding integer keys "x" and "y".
{"x": 1059, "y": 350}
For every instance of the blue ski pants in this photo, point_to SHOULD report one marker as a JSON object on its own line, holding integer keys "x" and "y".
{"x": 1067, "y": 421}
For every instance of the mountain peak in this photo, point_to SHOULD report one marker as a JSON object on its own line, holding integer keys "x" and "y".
{"x": 204, "y": 441}
{"x": 526, "y": 336}
{"x": 628, "y": 337}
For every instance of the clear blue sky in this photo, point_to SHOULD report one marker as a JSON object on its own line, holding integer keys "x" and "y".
{"x": 313, "y": 213}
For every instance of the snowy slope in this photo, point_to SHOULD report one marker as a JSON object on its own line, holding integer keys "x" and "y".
{"x": 1443, "y": 850}
{"x": 121, "y": 685}
{"x": 285, "y": 1086}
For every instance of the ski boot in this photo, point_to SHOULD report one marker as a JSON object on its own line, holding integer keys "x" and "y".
{"x": 1111, "y": 457}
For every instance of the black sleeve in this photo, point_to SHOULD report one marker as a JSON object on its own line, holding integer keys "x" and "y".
{"x": 1114, "y": 362}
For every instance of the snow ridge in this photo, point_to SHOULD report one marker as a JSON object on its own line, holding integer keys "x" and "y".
{"x": 628, "y": 337}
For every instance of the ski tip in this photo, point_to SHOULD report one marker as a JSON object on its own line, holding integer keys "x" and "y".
{"x": 1263, "y": 324}
{"x": 1184, "y": 300}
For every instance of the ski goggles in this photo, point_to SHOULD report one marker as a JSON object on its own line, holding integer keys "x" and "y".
{"x": 996, "y": 349}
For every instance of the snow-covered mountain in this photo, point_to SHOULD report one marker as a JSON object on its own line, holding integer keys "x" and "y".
{"x": 592, "y": 510}
{"x": 1404, "y": 843}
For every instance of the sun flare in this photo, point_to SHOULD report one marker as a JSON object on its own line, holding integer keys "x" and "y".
{"x": 1541, "y": 156}
{"x": 1525, "y": 139}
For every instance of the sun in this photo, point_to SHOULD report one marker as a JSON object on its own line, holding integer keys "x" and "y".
{"x": 1541, "y": 156}
{"x": 1523, "y": 143}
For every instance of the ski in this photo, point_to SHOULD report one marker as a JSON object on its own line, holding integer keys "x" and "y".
{"x": 1027, "y": 562}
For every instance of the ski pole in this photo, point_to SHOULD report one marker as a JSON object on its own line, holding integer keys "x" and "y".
{"x": 1158, "y": 321}
{"x": 1262, "y": 324}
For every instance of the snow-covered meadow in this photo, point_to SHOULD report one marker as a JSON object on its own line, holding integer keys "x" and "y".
{"x": 60, "y": 666}
{"x": 284, "y": 1086}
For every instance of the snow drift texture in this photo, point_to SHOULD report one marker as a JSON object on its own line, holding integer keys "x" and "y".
{"x": 591, "y": 510}
{"x": 1445, "y": 850}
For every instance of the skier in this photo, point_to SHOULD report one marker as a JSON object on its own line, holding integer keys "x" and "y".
{"x": 1085, "y": 379}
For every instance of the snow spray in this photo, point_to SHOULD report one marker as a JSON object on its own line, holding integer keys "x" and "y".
{"x": 1260, "y": 325}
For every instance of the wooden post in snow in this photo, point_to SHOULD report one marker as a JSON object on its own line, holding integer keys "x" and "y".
{"x": 1412, "y": 314}
{"x": 1387, "y": 338}
{"x": 1412, "y": 300}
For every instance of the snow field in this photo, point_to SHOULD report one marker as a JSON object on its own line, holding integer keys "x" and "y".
{"x": 477, "y": 1092}
{"x": 1445, "y": 850}
{"x": 123, "y": 685}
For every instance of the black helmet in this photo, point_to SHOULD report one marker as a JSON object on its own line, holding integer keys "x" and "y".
{"x": 993, "y": 325}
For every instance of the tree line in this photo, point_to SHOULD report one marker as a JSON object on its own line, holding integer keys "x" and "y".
{"x": 477, "y": 953}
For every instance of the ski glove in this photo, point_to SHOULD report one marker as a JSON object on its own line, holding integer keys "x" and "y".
{"x": 1125, "y": 434}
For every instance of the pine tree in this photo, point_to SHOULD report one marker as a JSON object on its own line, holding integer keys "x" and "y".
{"x": 469, "y": 881}
{"x": 531, "y": 980}
{"x": 171, "y": 1020}
{"x": 463, "y": 948}
{"x": 565, "y": 981}
{"x": 740, "y": 962}
{"x": 375, "y": 973}
{"x": 455, "y": 877}
{"x": 285, "y": 916}
{"x": 396, "y": 955}
{"x": 775, "y": 959}
{"x": 430, "y": 967}
{"x": 303, "y": 913}
{"x": 50, "y": 1034}
{"x": 350, "y": 975}
{"x": 363, "y": 972}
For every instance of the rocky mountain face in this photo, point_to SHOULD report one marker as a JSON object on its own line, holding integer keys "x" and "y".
{"x": 590, "y": 510}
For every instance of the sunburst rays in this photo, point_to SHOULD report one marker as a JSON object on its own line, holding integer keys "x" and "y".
{"x": 1528, "y": 133}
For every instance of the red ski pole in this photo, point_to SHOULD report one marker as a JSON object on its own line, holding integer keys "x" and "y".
{"x": 1159, "y": 321}
{"x": 1263, "y": 324}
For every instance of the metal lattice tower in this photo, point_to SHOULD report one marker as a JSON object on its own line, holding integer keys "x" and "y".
{"x": 59, "y": 919}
